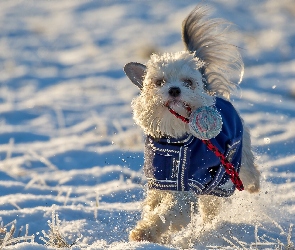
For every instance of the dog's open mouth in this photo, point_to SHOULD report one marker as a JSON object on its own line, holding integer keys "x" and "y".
{"x": 179, "y": 105}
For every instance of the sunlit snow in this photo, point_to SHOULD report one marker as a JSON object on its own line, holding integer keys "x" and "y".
{"x": 71, "y": 155}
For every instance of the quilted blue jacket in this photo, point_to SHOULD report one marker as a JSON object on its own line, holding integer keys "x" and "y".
{"x": 185, "y": 164}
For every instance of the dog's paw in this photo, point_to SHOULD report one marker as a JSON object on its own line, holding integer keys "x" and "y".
{"x": 142, "y": 234}
{"x": 253, "y": 188}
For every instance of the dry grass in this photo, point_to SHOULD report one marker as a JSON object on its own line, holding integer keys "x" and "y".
{"x": 54, "y": 238}
{"x": 7, "y": 236}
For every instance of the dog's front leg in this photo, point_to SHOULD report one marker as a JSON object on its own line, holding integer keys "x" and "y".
{"x": 162, "y": 211}
{"x": 210, "y": 207}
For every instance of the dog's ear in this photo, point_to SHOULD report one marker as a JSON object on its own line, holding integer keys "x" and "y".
{"x": 135, "y": 72}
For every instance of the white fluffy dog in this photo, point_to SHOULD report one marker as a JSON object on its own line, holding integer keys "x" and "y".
{"x": 180, "y": 169}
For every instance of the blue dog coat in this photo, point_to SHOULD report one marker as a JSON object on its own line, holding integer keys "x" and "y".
{"x": 186, "y": 163}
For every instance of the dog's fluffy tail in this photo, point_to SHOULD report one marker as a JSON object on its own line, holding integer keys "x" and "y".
{"x": 208, "y": 39}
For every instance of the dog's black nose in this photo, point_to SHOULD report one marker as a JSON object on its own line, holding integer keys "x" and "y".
{"x": 174, "y": 91}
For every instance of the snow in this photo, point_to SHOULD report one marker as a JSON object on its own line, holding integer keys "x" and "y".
{"x": 71, "y": 156}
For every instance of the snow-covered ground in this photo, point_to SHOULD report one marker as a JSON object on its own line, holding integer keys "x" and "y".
{"x": 70, "y": 152}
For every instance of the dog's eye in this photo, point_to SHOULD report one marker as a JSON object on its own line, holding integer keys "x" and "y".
{"x": 187, "y": 82}
{"x": 160, "y": 82}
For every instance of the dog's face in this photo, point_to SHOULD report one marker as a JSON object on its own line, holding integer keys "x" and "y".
{"x": 170, "y": 80}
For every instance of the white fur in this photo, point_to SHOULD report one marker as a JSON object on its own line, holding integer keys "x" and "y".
{"x": 167, "y": 211}
{"x": 149, "y": 109}
{"x": 209, "y": 40}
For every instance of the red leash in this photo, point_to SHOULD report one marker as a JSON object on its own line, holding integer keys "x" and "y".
{"x": 184, "y": 119}
{"x": 229, "y": 168}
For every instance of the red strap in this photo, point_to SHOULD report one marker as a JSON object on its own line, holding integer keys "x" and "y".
{"x": 229, "y": 168}
{"x": 184, "y": 119}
